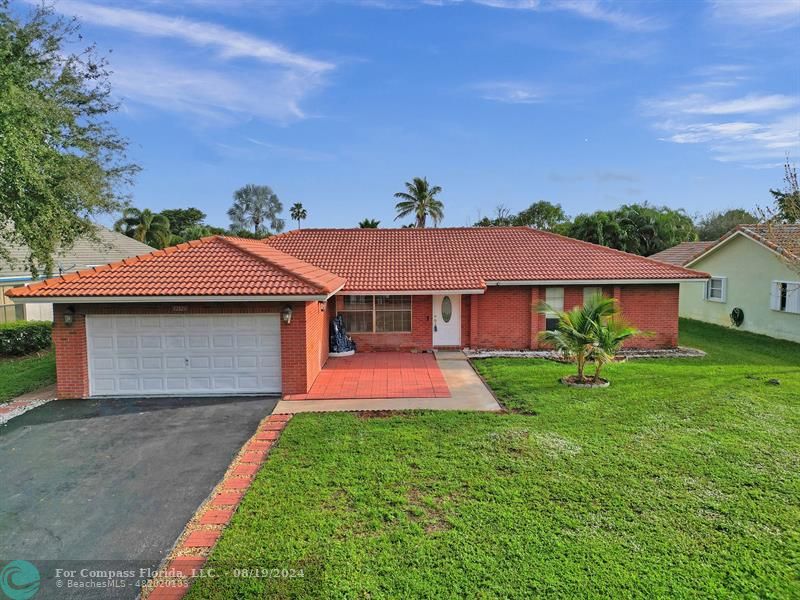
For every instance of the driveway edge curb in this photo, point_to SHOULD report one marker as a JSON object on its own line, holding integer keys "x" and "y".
{"x": 193, "y": 546}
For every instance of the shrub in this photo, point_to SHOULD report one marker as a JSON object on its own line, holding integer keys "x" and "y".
{"x": 23, "y": 337}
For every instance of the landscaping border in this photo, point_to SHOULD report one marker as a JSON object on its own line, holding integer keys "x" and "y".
{"x": 28, "y": 401}
{"x": 192, "y": 548}
{"x": 624, "y": 354}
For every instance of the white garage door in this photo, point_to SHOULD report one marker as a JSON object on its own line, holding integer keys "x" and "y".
{"x": 183, "y": 354}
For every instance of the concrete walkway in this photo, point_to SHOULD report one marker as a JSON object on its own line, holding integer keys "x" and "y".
{"x": 467, "y": 392}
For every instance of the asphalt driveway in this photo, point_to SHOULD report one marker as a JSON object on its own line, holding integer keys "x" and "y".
{"x": 108, "y": 485}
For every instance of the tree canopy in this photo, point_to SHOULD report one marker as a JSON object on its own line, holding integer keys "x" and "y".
{"x": 369, "y": 224}
{"x": 146, "y": 226}
{"x": 181, "y": 219}
{"x": 539, "y": 215}
{"x": 256, "y": 209}
{"x": 787, "y": 200}
{"x": 716, "y": 224}
{"x": 641, "y": 229}
{"x": 61, "y": 163}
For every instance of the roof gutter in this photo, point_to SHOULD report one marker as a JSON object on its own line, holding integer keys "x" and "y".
{"x": 410, "y": 292}
{"x": 161, "y": 299}
{"x": 596, "y": 281}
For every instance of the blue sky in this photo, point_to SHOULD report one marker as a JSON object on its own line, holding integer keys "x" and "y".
{"x": 336, "y": 103}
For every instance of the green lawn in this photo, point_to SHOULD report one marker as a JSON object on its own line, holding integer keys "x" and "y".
{"x": 26, "y": 373}
{"x": 680, "y": 480}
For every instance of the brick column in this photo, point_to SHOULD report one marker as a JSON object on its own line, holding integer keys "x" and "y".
{"x": 534, "y": 319}
{"x": 474, "y": 307}
{"x": 72, "y": 359}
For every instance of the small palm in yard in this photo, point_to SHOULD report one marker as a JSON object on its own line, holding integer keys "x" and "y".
{"x": 610, "y": 336}
{"x": 593, "y": 332}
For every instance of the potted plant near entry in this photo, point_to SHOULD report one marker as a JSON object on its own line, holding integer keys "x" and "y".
{"x": 588, "y": 334}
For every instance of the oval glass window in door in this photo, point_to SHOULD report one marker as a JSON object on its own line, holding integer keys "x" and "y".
{"x": 447, "y": 309}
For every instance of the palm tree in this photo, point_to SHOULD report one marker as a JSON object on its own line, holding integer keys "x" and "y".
{"x": 576, "y": 336}
{"x": 146, "y": 226}
{"x": 195, "y": 232}
{"x": 298, "y": 213}
{"x": 420, "y": 200}
{"x": 610, "y": 336}
{"x": 254, "y": 206}
{"x": 369, "y": 224}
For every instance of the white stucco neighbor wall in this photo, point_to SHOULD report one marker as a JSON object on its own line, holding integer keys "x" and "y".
{"x": 750, "y": 270}
{"x": 38, "y": 312}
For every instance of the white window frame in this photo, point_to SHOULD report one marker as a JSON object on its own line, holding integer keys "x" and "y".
{"x": 723, "y": 288}
{"x": 375, "y": 310}
{"x": 554, "y": 298}
{"x": 590, "y": 291}
{"x": 791, "y": 304}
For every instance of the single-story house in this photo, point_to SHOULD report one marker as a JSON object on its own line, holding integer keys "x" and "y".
{"x": 225, "y": 315}
{"x": 753, "y": 268}
{"x": 84, "y": 254}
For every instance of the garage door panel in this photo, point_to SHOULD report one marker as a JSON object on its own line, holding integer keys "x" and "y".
{"x": 174, "y": 341}
{"x": 131, "y": 363}
{"x": 222, "y": 341}
{"x": 103, "y": 364}
{"x": 223, "y": 354}
{"x": 150, "y": 341}
{"x": 198, "y": 341}
{"x": 224, "y": 362}
{"x": 149, "y": 363}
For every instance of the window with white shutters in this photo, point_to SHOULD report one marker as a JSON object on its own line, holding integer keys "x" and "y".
{"x": 785, "y": 296}
{"x": 716, "y": 289}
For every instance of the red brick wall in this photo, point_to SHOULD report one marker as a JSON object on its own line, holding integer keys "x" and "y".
{"x": 505, "y": 317}
{"x": 419, "y": 339}
{"x": 316, "y": 340}
{"x": 72, "y": 367}
{"x": 300, "y": 361}
{"x": 654, "y": 309}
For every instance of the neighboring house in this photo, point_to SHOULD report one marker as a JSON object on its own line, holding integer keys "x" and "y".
{"x": 227, "y": 315}
{"x": 755, "y": 268}
{"x": 84, "y": 254}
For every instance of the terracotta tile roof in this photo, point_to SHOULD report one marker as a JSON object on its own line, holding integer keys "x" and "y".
{"x": 462, "y": 258}
{"x": 783, "y": 238}
{"x": 682, "y": 253}
{"x": 213, "y": 266}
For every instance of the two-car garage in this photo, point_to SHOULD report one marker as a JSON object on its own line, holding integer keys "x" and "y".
{"x": 183, "y": 354}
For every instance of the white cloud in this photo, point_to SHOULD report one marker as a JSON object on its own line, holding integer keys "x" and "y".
{"x": 701, "y": 104}
{"x": 229, "y": 43}
{"x": 218, "y": 97}
{"x": 595, "y": 10}
{"x": 241, "y": 76}
{"x": 778, "y": 14}
{"x": 510, "y": 92}
{"x": 752, "y": 129}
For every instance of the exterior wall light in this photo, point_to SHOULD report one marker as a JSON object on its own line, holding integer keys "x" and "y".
{"x": 286, "y": 315}
{"x": 322, "y": 305}
{"x": 69, "y": 316}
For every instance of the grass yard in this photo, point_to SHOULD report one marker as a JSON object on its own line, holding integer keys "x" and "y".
{"x": 680, "y": 480}
{"x": 26, "y": 373}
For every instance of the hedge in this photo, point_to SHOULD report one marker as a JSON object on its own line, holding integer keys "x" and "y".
{"x": 23, "y": 337}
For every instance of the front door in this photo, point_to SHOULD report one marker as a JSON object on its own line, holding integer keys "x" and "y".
{"x": 447, "y": 320}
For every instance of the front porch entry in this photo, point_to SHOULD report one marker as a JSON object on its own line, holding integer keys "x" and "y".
{"x": 378, "y": 375}
{"x": 447, "y": 321}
